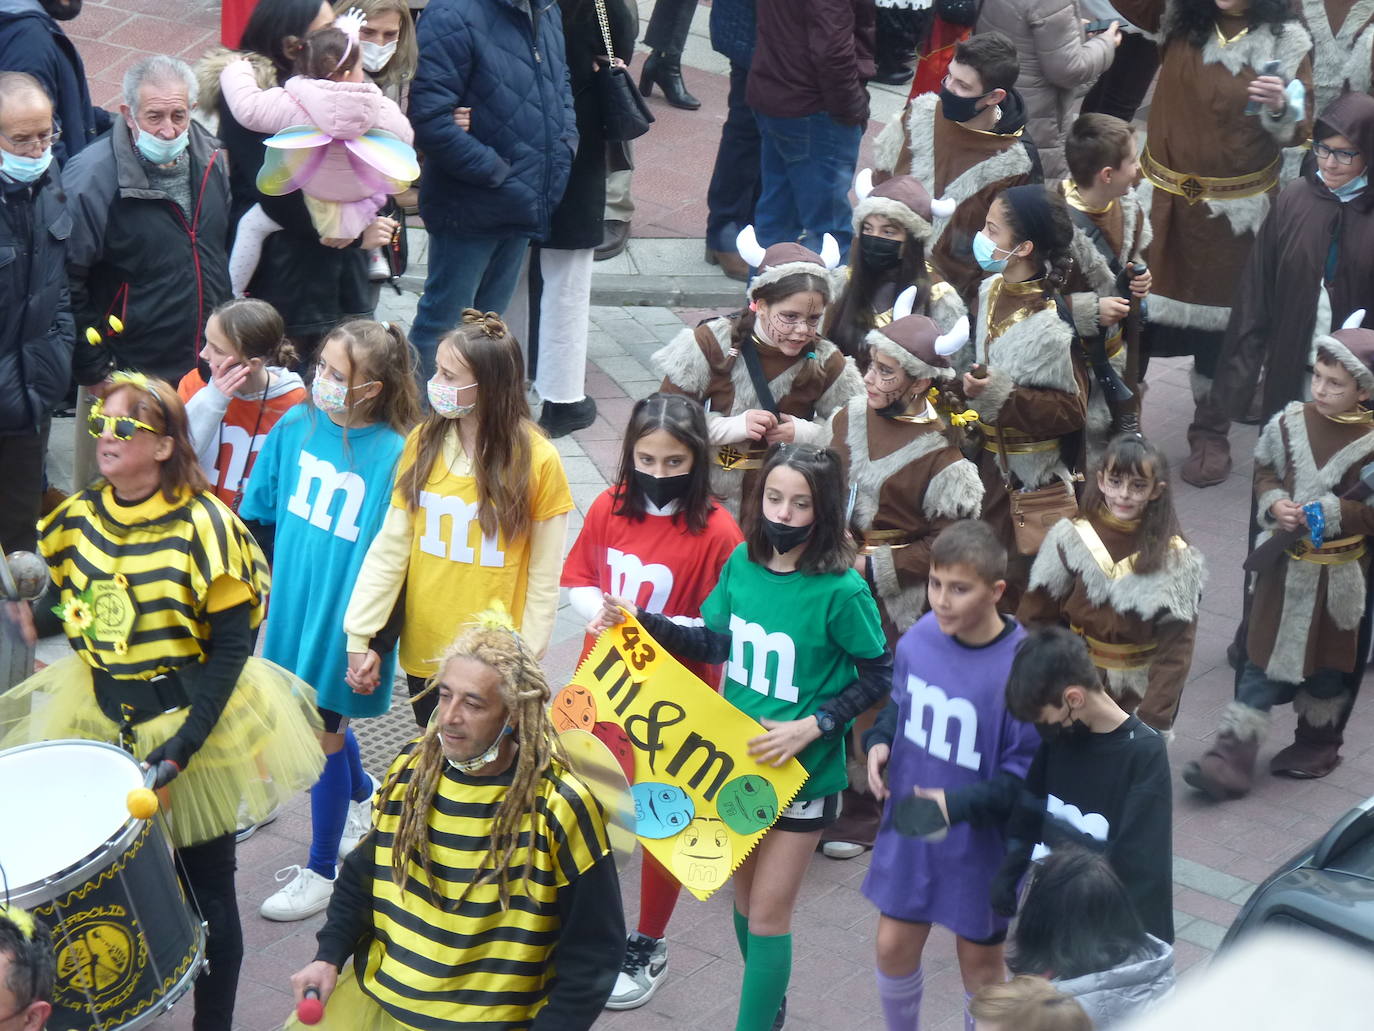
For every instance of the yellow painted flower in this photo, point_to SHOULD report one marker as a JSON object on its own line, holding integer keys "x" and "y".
{"x": 79, "y": 615}
{"x": 120, "y": 648}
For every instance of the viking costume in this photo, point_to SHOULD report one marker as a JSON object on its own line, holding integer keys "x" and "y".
{"x": 907, "y": 480}
{"x": 1105, "y": 241}
{"x": 968, "y": 166}
{"x": 905, "y": 202}
{"x": 1305, "y": 618}
{"x": 1139, "y": 627}
{"x": 1342, "y": 46}
{"x": 1210, "y": 172}
{"x": 706, "y": 364}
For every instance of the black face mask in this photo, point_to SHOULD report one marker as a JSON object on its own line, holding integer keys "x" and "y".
{"x": 880, "y": 253}
{"x": 1052, "y": 733}
{"x": 784, "y": 537}
{"x": 661, "y": 489}
{"x": 957, "y": 108}
{"x": 60, "y": 11}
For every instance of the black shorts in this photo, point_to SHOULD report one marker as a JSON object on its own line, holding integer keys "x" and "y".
{"x": 813, "y": 815}
{"x": 332, "y": 720}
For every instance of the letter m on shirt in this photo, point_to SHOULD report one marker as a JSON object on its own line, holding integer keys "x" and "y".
{"x": 763, "y": 646}
{"x": 321, "y": 474}
{"x": 943, "y": 710}
{"x": 629, "y": 573}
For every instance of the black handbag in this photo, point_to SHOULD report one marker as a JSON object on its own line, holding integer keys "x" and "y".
{"x": 958, "y": 12}
{"x": 624, "y": 114}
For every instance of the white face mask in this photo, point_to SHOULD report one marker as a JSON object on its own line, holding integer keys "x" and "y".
{"x": 377, "y": 56}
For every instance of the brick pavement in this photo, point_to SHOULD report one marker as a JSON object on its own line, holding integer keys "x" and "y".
{"x": 1220, "y": 852}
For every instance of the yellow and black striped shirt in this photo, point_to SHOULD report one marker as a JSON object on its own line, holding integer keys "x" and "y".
{"x": 142, "y": 576}
{"x": 474, "y": 966}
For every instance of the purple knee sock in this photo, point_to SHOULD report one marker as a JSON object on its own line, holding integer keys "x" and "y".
{"x": 901, "y": 998}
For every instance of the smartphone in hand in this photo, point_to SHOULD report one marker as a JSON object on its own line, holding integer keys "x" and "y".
{"x": 1095, "y": 27}
{"x": 1270, "y": 68}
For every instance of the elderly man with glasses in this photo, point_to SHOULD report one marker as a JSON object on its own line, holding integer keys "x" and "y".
{"x": 36, "y": 334}
{"x": 150, "y": 204}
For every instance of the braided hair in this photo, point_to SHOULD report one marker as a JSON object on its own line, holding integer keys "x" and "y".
{"x": 492, "y": 641}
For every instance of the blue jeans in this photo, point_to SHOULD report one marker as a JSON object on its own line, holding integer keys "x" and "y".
{"x": 464, "y": 272}
{"x": 734, "y": 190}
{"x": 806, "y": 166}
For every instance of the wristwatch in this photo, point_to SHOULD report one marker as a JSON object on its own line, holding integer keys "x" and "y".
{"x": 830, "y": 726}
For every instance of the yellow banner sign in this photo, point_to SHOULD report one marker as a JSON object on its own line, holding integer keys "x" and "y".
{"x": 701, "y": 801}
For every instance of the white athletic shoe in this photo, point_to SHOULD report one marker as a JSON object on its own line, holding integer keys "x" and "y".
{"x": 646, "y": 961}
{"x": 842, "y": 849}
{"x": 305, "y": 894}
{"x": 359, "y": 821}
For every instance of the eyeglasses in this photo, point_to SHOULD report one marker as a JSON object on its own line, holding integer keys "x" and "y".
{"x": 1343, "y": 157}
{"x": 121, "y": 427}
{"x": 41, "y": 143}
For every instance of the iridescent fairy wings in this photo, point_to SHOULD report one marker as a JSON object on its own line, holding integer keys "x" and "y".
{"x": 303, "y": 157}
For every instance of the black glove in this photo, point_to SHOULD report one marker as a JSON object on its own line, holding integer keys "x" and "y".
{"x": 1002, "y": 892}
{"x": 918, "y": 817}
{"x": 168, "y": 759}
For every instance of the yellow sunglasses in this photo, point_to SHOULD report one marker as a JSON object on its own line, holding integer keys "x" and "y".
{"x": 121, "y": 427}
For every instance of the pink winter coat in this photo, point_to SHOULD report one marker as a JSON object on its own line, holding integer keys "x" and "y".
{"x": 343, "y": 110}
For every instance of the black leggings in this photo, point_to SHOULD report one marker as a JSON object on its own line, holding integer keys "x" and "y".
{"x": 425, "y": 707}
{"x": 207, "y": 873}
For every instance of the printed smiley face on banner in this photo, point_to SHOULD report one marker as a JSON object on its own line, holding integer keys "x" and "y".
{"x": 661, "y": 810}
{"x": 702, "y": 802}
{"x": 574, "y": 708}
{"x": 747, "y": 804}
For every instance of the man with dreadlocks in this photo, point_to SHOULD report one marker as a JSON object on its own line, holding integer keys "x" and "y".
{"x": 486, "y": 894}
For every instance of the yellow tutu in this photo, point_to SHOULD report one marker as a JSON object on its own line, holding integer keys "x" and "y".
{"x": 349, "y": 1008}
{"x": 264, "y": 748}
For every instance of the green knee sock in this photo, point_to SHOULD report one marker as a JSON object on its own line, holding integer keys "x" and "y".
{"x": 741, "y": 932}
{"x": 766, "y": 972}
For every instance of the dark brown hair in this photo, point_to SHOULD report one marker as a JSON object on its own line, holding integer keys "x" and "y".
{"x": 504, "y": 455}
{"x": 1048, "y": 661}
{"x": 157, "y": 404}
{"x": 1130, "y": 454}
{"x": 971, "y": 543}
{"x": 684, "y": 419}
{"x": 256, "y": 330}
{"x": 380, "y": 351}
{"x": 829, "y": 549}
{"x": 326, "y": 53}
{"x": 993, "y": 56}
{"x": 1095, "y": 142}
{"x": 812, "y": 370}
{"x": 850, "y": 318}
{"x": 1051, "y": 240}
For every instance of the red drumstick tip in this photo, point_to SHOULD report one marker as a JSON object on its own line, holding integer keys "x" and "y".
{"x": 310, "y": 1010}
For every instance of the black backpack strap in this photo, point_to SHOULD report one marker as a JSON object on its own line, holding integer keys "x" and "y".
{"x": 754, "y": 365}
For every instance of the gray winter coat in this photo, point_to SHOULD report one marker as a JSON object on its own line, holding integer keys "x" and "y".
{"x": 1110, "y": 996}
{"x": 1058, "y": 66}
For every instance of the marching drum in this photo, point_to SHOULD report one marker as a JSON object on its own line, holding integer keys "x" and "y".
{"x": 128, "y": 945}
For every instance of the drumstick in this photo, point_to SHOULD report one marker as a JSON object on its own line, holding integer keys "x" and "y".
{"x": 310, "y": 1010}
{"x": 142, "y": 802}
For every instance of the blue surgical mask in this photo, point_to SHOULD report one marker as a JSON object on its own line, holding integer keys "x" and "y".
{"x": 983, "y": 251}
{"x": 159, "y": 151}
{"x": 22, "y": 168}
{"x": 1347, "y": 191}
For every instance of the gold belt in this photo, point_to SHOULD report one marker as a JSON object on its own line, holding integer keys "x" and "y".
{"x": 1194, "y": 188}
{"x": 1116, "y": 656}
{"x": 894, "y": 539}
{"x": 1332, "y": 553}
{"x": 1015, "y": 441}
{"x": 738, "y": 459}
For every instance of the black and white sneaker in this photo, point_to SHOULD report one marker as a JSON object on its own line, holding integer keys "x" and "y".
{"x": 646, "y": 961}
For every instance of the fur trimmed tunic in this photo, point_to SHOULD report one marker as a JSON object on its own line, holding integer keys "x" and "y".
{"x": 968, "y": 166}
{"x": 1197, "y": 126}
{"x": 1342, "y": 34}
{"x": 1083, "y": 578}
{"x": 908, "y": 478}
{"x": 1306, "y": 615}
{"x": 810, "y": 387}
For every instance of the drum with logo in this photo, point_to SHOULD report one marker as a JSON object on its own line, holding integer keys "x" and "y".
{"x": 127, "y": 942}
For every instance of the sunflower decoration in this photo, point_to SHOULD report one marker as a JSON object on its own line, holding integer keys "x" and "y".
{"x": 78, "y": 612}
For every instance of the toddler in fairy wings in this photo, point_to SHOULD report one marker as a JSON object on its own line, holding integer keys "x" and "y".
{"x": 339, "y": 140}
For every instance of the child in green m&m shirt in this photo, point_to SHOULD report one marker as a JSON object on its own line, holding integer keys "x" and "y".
{"x": 805, "y": 653}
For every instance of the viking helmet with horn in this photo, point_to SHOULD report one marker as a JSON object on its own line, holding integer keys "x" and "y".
{"x": 1352, "y": 347}
{"x": 901, "y": 199}
{"x": 785, "y": 259}
{"x": 915, "y": 342}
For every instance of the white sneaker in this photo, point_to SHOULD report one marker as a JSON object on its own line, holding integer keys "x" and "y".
{"x": 646, "y": 961}
{"x": 842, "y": 849}
{"x": 359, "y": 821}
{"x": 305, "y": 894}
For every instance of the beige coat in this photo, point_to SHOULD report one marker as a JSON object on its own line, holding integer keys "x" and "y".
{"x": 1058, "y": 66}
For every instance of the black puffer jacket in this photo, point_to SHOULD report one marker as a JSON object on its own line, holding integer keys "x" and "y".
{"x": 36, "y": 330}
{"x": 135, "y": 254}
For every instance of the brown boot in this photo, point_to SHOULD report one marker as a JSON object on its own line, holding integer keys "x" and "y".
{"x": 1209, "y": 457}
{"x": 1228, "y": 768}
{"x": 1316, "y": 746}
{"x": 728, "y": 262}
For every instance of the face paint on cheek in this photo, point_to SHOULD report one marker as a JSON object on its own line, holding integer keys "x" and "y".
{"x": 747, "y": 804}
{"x": 661, "y": 810}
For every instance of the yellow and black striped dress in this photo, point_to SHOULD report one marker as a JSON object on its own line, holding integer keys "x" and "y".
{"x": 137, "y": 584}
{"x": 442, "y": 967}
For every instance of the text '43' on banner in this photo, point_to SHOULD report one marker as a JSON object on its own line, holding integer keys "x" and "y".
{"x": 701, "y": 801}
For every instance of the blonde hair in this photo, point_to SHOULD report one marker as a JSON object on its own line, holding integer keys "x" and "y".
{"x": 1028, "y": 1003}
{"x": 400, "y": 70}
{"x": 491, "y": 640}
